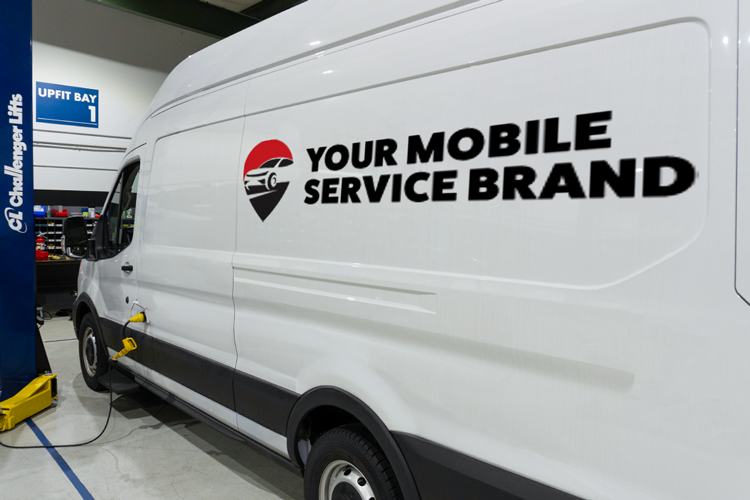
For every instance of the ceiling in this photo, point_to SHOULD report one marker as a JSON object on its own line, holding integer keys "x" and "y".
{"x": 217, "y": 18}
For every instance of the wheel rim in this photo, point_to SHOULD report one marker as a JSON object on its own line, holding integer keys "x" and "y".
{"x": 88, "y": 351}
{"x": 343, "y": 481}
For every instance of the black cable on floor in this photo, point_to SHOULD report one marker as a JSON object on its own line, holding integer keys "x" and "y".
{"x": 70, "y": 445}
{"x": 109, "y": 415}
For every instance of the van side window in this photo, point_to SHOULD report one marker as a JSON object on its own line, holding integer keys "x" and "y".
{"x": 119, "y": 217}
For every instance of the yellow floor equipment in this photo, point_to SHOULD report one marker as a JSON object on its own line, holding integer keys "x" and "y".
{"x": 32, "y": 399}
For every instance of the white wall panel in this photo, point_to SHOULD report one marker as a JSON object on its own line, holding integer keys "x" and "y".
{"x": 123, "y": 56}
{"x": 73, "y": 178}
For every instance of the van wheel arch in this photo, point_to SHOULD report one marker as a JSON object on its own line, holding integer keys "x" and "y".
{"x": 324, "y": 408}
{"x": 83, "y": 306}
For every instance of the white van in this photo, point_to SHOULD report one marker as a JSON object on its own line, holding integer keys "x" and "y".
{"x": 449, "y": 249}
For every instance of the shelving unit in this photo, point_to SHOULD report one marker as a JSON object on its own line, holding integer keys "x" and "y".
{"x": 52, "y": 227}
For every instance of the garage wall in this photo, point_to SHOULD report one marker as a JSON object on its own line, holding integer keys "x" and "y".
{"x": 123, "y": 56}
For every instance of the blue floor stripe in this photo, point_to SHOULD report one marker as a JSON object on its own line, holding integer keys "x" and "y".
{"x": 77, "y": 484}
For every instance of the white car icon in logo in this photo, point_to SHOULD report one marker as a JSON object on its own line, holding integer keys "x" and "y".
{"x": 263, "y": 179}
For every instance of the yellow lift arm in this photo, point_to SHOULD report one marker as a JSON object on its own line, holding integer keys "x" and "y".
{"x": 32, "y": 399}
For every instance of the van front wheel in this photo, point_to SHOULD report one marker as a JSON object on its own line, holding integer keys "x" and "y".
{"x": 92, "y": 353}
{"x": 346, "y": 464}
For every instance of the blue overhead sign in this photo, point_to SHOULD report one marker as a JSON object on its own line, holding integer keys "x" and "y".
{"x": 67, "y": 105}
{"x": 17, "y": 328}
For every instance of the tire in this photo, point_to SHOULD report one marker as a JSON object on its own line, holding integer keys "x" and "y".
{"x": 92, "y": 353}
{"x": 345, "y": 463}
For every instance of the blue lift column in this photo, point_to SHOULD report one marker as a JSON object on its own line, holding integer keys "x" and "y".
{"x": 17, "y": 271}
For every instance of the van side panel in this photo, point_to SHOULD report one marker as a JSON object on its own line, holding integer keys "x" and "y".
{"x": 645, "y": 93}
{"x": 491, "y": 231}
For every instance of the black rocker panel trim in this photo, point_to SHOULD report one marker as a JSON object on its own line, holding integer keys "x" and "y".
{"x": 263, "y": 402}
{"x": 210, "y": 421}
{"x": 445, "y": 474}
{"x": 198, "y": 373}
{"x": 204, "y": 376}
{"x": 215, "y": 424}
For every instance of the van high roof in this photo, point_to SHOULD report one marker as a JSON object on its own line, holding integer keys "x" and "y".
{"x": 292, "y": 35}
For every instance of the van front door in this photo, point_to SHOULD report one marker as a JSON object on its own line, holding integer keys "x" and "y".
{"x": 117, "y": 249}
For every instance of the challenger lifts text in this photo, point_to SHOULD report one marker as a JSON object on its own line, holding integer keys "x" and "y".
{"x": 13, "y": 213}
{"x": 487, "y": 183}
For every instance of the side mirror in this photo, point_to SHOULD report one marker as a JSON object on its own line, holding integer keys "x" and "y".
{"x": 75, "y": 238}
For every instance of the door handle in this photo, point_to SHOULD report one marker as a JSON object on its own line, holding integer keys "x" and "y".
{"x": 128, "y": 268}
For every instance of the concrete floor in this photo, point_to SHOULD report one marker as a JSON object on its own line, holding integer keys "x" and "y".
{"x": 151, "y": 450}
